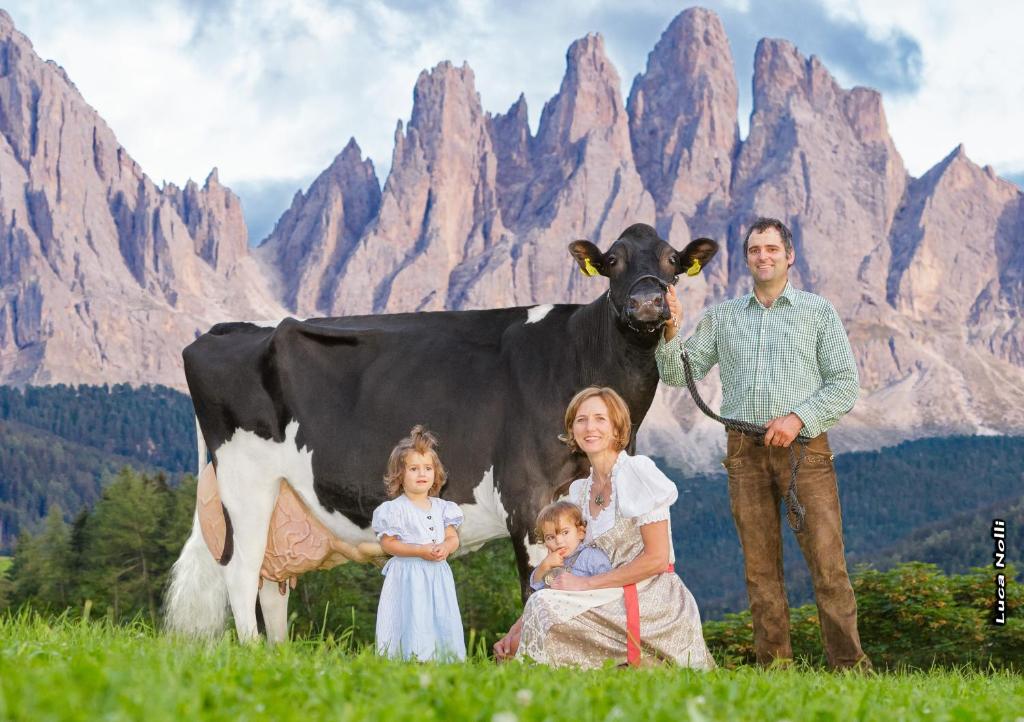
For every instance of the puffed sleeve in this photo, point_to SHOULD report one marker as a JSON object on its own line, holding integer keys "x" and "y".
{"x": 644, "y": 492}
{"x": 451, "y": 514}
{"x": 387, "y": 520}
{"x": 576, "y": 492}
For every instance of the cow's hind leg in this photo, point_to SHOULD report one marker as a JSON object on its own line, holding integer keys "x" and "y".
{"x": 249, "y": 498}
{"x": 274, "y": 605}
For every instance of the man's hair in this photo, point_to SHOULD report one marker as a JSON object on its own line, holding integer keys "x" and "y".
{"x": 764, "y": 224}
{"x": 422, "y": 442}
{"x": 555, "y": 512}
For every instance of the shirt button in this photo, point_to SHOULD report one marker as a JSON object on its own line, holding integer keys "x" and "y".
{"x": 431, "y": 528}
{"x": 429, "y": 517}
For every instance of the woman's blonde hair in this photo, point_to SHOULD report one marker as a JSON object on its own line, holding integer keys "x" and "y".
{"x": 422, "y": 442}
{"x": 555, "y": 512}
{"x": 618, "y": 415}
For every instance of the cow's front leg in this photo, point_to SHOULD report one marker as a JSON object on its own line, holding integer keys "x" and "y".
{"x": 249, "y": 501}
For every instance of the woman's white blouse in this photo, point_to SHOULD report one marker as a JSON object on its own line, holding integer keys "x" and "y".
{"x": 639, "y": 490}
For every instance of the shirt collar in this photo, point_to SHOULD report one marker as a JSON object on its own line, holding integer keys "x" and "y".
{"x": 789, "y": 293}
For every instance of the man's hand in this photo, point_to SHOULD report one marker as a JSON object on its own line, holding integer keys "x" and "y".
{"x": 783, "y": 430}
{"x": 676, "y": 309}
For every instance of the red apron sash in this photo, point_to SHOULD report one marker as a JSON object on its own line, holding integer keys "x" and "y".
{"x": 633, "y": 622}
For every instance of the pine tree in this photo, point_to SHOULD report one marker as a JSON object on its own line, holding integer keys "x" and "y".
{"x": 41, "y": 572}
{"x": 123, "y": 545}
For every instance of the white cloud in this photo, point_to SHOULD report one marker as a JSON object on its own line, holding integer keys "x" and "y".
{"x": 972, "y": 89}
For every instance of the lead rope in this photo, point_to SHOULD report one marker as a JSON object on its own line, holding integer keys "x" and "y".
{"x": 794, "y": 511}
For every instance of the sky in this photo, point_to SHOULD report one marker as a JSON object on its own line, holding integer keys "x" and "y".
{"x": 269, "y": 92}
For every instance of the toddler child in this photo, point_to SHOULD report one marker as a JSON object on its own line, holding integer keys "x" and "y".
{"x": 561, "y": 527}
{"x": 418, "y": 613}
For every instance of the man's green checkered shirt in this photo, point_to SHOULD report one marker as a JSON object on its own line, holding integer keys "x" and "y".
{"x": 793, "y": 356}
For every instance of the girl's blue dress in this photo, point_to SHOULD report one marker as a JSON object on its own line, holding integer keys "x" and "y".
{"x": 418, "y": 614}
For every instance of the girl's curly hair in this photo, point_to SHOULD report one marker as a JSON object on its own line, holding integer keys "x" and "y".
{"x": 423, "y": 442}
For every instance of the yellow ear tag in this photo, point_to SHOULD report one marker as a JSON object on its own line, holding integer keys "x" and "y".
{"x": 694, "y": 269}
{"x": 588, "y": 268}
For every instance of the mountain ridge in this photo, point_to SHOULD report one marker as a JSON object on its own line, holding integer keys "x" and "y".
{"x": 104, "y": 276}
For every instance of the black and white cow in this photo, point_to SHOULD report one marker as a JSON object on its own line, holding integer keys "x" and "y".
{"x": 320, "y": 403}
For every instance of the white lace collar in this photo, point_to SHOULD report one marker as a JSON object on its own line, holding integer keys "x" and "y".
{"x": 589, "y": 481}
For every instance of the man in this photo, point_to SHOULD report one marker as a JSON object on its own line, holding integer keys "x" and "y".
{"x": 786, "y": 364}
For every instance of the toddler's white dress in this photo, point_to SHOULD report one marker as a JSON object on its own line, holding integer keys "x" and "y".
{"x": 418, "y": 613}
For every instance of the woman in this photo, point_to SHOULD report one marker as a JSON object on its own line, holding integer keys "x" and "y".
{"x": 584, "y": 621}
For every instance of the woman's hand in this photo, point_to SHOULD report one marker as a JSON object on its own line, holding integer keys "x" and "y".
{"x": 505, "y": 648}
{"x": 571, "y": 583}
{"x": 652, "y": 560}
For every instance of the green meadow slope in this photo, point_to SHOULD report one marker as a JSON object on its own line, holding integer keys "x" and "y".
{"x": 88, "y": 671}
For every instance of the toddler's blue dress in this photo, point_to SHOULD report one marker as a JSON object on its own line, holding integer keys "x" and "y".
{"x": 418, "y": 614}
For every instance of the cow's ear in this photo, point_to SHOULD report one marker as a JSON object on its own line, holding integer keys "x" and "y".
{"x": 589, "y": 257}
{"x": 695, "y": 256}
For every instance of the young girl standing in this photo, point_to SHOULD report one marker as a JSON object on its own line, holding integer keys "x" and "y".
{"x": 418, "y": 614}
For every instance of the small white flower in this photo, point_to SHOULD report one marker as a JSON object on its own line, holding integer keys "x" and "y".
{"x": 693, "y": 706}
{"x": 424, "y": 680}
{"x": 524, "y": 697}
{"x": 505, "y": 717}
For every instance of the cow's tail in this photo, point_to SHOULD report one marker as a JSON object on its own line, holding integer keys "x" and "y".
{"x": 201, "y": 449}
{"x": 197, "y": 597}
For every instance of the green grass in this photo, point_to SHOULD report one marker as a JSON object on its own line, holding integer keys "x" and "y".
{"x": 4, "y": 563}
{"x": 65, "y": 670}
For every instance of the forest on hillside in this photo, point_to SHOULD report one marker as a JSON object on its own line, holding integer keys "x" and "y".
{"x": 926, "y": 500}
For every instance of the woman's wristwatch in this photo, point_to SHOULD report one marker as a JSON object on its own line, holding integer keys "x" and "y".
{"x": 552, "y": 574}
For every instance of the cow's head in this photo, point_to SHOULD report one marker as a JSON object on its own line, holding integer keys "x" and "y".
{"x": 640, "y": 267}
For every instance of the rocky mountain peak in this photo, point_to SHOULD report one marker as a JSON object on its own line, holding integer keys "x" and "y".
{"x": 865, "y": 114}
{"x": 682, "y": 115}
{"x": 439, "y": 208}
{"x": 588, "y": 100}
{"x": 310, "y": 243}
{"x": 817, "y": 151}
{"x": 445, "y": 108}
{"x": 779, "y": 70}
{"x": 957, "y": 267}
{"x": 106, "y": 273}
{"x": 104, "y": 276}
{"x": 511, "y": 139}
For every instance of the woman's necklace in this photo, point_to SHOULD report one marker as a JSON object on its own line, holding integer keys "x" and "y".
{"x": 599, "y": 498}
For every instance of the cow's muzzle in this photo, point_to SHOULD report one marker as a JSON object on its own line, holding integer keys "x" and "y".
{"x": 645, "y": 311}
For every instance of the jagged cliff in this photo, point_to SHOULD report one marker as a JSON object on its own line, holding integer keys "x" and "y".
{"x": 106, "y": 276}
{"x": 103, "y": 275}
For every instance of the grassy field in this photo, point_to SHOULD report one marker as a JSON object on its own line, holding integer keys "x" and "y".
{"x": 4, "y": 563}
{"x": 66, "y": 670}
